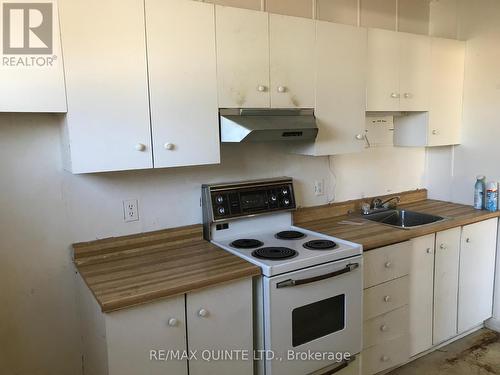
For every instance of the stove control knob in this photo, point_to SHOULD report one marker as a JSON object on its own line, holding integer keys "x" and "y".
{"x": 286, "y": 202}
{"x": 221, "y": 210}
{"x": 285, "y": 191}
{"x": 274, "y": 198}
{"x": 219, "y": 199}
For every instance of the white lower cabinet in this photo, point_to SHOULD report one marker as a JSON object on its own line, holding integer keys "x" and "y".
{"x": 133, "y": 335}
{"x": 477, "y": 272}
{"x": 446, "y": 285}
{"x": 421, "y": 293}
{"x": 220, "y": 319}
{"x": 156, "y": 338}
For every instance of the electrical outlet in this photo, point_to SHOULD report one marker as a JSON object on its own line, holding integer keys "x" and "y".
{"x": 131, "y": 210}
{"x": 319, "y": 187}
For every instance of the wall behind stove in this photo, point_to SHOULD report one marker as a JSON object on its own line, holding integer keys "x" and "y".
{"x": 45, "y": 209}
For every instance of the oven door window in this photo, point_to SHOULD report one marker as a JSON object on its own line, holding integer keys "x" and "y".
{"x": 318, "y": 319}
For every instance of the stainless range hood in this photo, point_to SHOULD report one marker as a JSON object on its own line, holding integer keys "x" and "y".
{"x": 262, "y": 125}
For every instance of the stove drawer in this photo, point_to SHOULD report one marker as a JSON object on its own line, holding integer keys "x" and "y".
{"x": 386, "y": 327}
{"x": 382, "y": 357}
{"x": 385, "y": 297}
{"x": 386, "y": 263}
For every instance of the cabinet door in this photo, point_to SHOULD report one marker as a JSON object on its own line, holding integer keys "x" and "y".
{"x": 415, "y": 57}
{"x": 340, "y": 88}
{"x": 421, "y": 293}
{"x": 135, "y": 335}
{"x": 446, "y": 285}
{"x": 108, "y": 125}
{"x": 383, "y": 71}
{"x": 447, "y": 80}
{"x": 220, "y": 319}
{"x": 32, "y": 87}
{"x": 242, "y": 58}
{"x": 182, "y": 82}
{"x": 292, "y": 61}
{"x": 477, "y": 272}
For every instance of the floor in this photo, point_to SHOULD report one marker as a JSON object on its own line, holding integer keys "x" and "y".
{"x": 475, "y": 354}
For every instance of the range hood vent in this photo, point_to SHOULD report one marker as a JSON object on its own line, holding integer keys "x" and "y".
{"x": 264, "y": 125}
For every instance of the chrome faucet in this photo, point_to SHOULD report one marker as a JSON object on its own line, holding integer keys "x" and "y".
{"x": 377, "y": 205}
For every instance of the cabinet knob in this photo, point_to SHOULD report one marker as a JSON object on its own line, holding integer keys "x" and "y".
{"x": 387, "y": 299}
{"x": 388, "y": 264}
{"x": 202, "y": 313}
{"x": 169, "y": 146}
{"x": 384, "y": 358}
{"x": 261, "y": 88}
{"x": 384, "y": 328}
{"x": 140, "y": 147}
{"x": 394, "y": 95}
{"x": 359, "y": 137}
{"x": 442, "y": 246}
{"x": 172, "y": 322}
{"x": 407, "y": 95}
{"x": 429, "y": 250}
{"x": 281, "y": 89}
{"x": 467, "y": 240}
{"x": 435, "y": 132}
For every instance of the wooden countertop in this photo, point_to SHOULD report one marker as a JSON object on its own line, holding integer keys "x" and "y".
{"x": 132, "y": 270}
{"x": 373, "y": 235}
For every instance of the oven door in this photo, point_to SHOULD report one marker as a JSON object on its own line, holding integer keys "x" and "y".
{"x": 315, "y": 310}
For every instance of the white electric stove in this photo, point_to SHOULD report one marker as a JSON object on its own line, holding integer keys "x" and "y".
{"x": 309, "y": 298}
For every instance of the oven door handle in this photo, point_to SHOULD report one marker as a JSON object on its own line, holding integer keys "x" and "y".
{"x": 342, "y": 365}
{"x": 291, "y": 282}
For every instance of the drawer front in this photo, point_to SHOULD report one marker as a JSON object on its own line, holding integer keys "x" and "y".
{"x": 382, "y": 357}
{"x": 385, "y": 297}
{"x": 386, "y": 263}
{"x": 386, "y": 327}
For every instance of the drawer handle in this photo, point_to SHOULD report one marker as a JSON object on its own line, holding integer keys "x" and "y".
{"x": 388, "y": 264}
{"x": 384, "y": 328}
{"x": 467, "y": 240}
{"x": 429, "y": 250}
{"x": 290, "y": 282}
{"x": 385, "y": 358}
{"x": 443, "y": 246}
{"x": 387, "y": 299}
{"x": 202, "y": 313}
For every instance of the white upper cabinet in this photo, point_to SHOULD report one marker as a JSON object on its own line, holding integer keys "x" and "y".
{"x": 340, "y": 65}
{"x": 414, "y": 67}
{"x": 182, "y": 82}
{"x": 383, "y": 71}
{"x": 108, "y": 125}
{"x": 292, "y": 41}
{"x": 477, "y": 273}
{"x": 447, "y": 77}
{"x": 398, "y": 73}
{"x": 32, "y": 80}
{"x": 242, "y": 58}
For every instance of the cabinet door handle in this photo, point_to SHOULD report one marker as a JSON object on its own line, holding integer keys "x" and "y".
{"x": 384, "y": 328}
{"x": 467, "y": 240}
{"x": 388, "y": 264}
{"x": 394, "y": 95}
{"x": 140, "y": 146}
{"x": 172, "y": 322}
{"x": 359, "y": 137}
{"x": 281, "y": 89}
{"x": 261, "y": 88}
{"x": 429, "y": 250}
{"x": 443, "y": 246}
{"x": 384, "y": 358}
{"x": 435, "y": 132}
{"x": 387, "y": 299}
{"x": 407, "y": 95}
{"x": 202, "y": 313}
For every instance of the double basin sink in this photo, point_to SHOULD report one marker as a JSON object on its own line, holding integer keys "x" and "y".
{"x": 403, "y": 219}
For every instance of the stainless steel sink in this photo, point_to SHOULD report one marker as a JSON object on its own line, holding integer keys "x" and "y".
{"x": 403, "y": 219}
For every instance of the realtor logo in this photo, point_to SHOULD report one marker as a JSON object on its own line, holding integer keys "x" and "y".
{"x": 27, "y": 28}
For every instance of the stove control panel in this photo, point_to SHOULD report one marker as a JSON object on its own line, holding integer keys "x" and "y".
{"x": 247, "y": 198}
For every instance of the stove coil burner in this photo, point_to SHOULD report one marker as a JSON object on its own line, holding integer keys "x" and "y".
{"x": 246, "y": 243}
{"x": 290, "y": 235}
{"x": 320, "y": 245}
{"x": 274, "y": 253}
